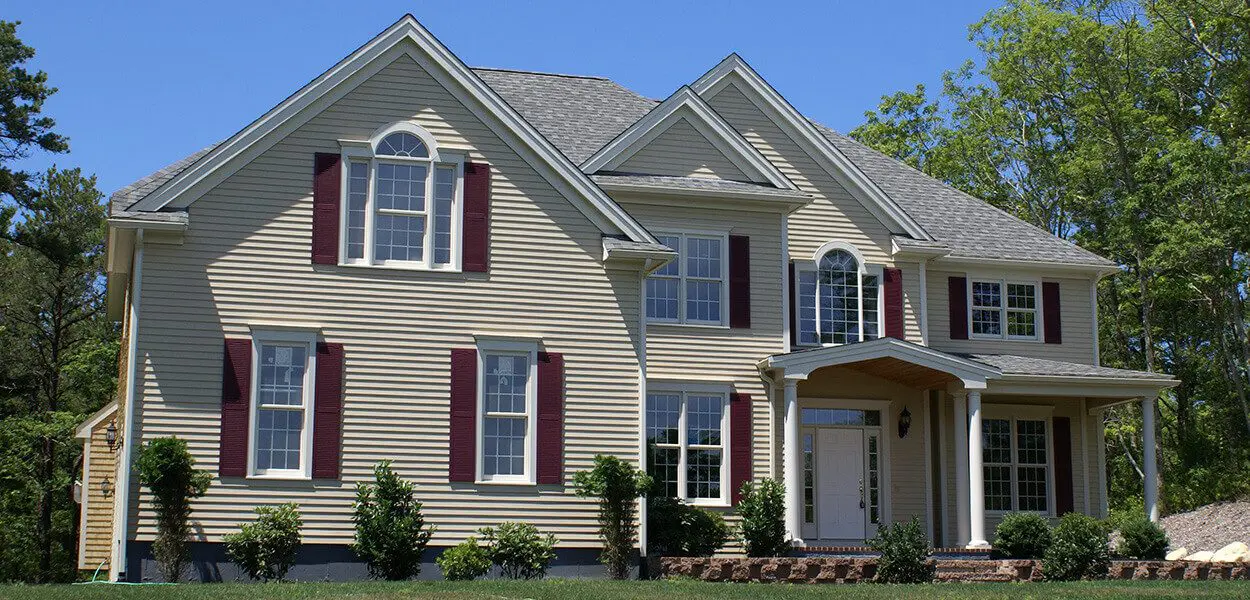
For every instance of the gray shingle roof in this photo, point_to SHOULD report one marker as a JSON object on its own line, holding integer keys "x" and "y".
{"x": 579, "y": 115}
{"x": 1011, "y": 364}
{"x": 695, "y": 183}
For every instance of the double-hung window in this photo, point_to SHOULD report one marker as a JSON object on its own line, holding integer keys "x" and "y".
{"x": 1016, "y": 460}
{"x": 1003, "y": 309}
{"x": 839, "y": 300}
{"x": 692, "y": 288}
{"x": 281, "y": 404}
{"x": 508, "y": 384}
{"x": 403, "y": 203}
{"x": 687, "y": 431}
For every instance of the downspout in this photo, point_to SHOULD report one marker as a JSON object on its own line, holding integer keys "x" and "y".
{"x": 121, "y": 507}
{"x": 642, "y": 403}
{"x": 924, "y": 303}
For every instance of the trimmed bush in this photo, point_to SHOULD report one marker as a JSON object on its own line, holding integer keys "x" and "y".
{"x": 1078, "y": 550}
{"x": 1142, "y": 539}
{"x": 678, "y": 529}
{"x": 617, "y": 485}
{"x": 763, "y": 512}
{"x": 390, "y": 531}
{"x": 519, "y": 550}
{"x": 166, "y": 467}
{"x": 265, "y": 549}
{"x": 464, "y": 562}
{"x": 1022, "y": 535}
{"x": 904, "y": 549}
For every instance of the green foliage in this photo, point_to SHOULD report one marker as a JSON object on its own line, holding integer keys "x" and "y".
{"x": 1078, "y": 550}
{"x": 464, "y": 562}
{"x": 618, "y": 486}
{"x": 519, "y": 550}
{"x": 391, "y": 534}
{"x": 904, "y": 549}
{"x": 168, "y": 470}
{"x": 1141, "y": 539}
{"x": 22, "y": 126}
{"x": 675, "y": 528}
{"x": 266, "y": 548}
{"x": 1022, "y": 535}
{"x": 763, "y": 512}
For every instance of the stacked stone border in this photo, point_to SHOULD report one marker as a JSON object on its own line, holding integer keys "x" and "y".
{"x": 855, "y": 570}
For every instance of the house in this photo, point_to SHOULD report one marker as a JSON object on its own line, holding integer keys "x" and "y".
{"x": 490, "y": 276}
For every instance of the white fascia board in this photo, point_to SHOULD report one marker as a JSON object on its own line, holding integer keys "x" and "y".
{"x": 800, "y": 364}
{"x": 685, "y": 103}
{"x": 84, "y": 430}
{"x": 787, "y": 203}
{"x": 833, "y": 160}
{"x": 1053, "y": 267}
{"x": 427, "y": 51}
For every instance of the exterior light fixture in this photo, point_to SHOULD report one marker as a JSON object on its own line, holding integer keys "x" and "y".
{"x": 110, "y": 435}
{"x": 904, "y": 422}
{"x": 106, "y": 487}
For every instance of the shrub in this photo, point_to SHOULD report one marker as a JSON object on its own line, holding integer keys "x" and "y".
{"x": 1022, "y": 535}
{"x": 465, "y": 561}
{"x": 390, "y": 531}
{"x": 166, "y": 467}
{"x": 678, "y": 529}
{"x": 519, "y": 550}
{"x": 266, "y": 549}
{"x": 904, "y": 549}
{"x": 763, "y": 512}
{"x": 618, "y": 485}
{"x": 1078, "y": 550}
{"x": 1142, "y": 539}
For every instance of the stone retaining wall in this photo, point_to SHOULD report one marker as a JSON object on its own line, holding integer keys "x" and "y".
{"x": 853, "y": 570}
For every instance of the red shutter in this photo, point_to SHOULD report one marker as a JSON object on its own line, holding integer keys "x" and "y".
{"x": 328, "y": 411}
{"x": 739, "y": 281}
{"x": 550, "y": 418}
{"x": 740, "y": 443}
{"x": 893, "y": 303}
{"x": 325, "y": 229}
{"x": 794, "y": 309}
{"x": 236, "y": 398}
{"x": 462, "y": 440}
{"x": 476, "y": 254}
{"x": 1050, "y": 312}
{"x": 1063, "y": 465}
{"x": 957, "y": 295}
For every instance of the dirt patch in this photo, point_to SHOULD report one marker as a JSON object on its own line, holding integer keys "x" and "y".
{"x": 1210, "y": 527}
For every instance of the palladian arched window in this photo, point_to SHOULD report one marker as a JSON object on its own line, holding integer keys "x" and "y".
{"x": 839, "y": 298}
{"x": 402, "y": 207}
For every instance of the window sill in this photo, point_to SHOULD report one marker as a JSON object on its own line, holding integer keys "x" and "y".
{"x": 999, "y": 338}
{"x": 279, "y": 477}
{"x": 505, "y": 482}
{"x": 399, "y": 267}
{"x": 708, "y": 503}
{"x": 686, "y": 325}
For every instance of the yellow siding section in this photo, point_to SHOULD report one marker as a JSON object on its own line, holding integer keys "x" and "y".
{"x": 245, "y": 262}
{"x": 682, "y": 151}
{"x": 98, "y": 529}
{"x": 1076, "y": 315}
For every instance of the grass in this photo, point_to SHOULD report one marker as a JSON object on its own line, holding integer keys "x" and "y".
{"x": 621, "y": 590}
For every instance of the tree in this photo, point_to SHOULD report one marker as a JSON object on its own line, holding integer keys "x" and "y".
{"x": 618, "y": 486}
{"x": 23, "y": 128}
{"x": 168, "y": 470}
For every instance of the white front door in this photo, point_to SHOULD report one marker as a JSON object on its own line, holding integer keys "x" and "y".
{"x": 840, "y": 483}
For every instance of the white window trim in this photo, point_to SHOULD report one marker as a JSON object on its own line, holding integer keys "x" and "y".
{"x": 512, "y": 347}
{"x": 359, "y": 151}
{"x": 287, "y": 337}
{"x": 1026, "y": 413}
{"x": 864, "y": 269}
{"x": 1003, "y": 282}
{"x": 684, "y": 389}
{"x": 681, "y": 278}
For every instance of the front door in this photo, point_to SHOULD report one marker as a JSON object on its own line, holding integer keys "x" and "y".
{"x": 840, "y": 484}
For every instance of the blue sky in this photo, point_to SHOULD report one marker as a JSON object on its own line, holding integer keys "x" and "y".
{"x": 144, "y": 84}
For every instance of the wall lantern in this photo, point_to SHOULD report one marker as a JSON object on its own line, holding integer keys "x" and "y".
{"x": 106, "y": 487}
{"x": 110, "y": 435}
{"x": 904, "y": 422}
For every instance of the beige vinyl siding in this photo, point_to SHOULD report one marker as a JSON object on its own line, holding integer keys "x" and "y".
{"x": 98, "y": 523}
{"x": 245, "y": 264}
{"x": 1076, "y": 316}
{"x": 682, "y": 151}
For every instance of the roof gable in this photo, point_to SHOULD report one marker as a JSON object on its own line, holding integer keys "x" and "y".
{"x": 733, "y": 70}
{"x": 405, "y": 37}
{"x": 684, "y": 109}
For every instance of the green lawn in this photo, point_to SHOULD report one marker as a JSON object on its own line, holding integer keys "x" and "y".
{"x": 620, "y": 590}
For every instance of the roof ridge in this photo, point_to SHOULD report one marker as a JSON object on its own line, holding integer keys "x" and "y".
{"x": 548, "y": 74}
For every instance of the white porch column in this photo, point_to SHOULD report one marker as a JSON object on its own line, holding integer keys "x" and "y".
{"x": 976, "y": 476}
{"x": 961, "y": 468}
{"x": 791, "y": 464}
{"x": 1151, "y": 466}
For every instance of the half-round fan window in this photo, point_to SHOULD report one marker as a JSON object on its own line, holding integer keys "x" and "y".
{"x": 402, "y": 143}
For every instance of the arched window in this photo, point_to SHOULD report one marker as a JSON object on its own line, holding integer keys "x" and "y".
{"x": 401, "y": 204}
{"x": 839, "y": 298}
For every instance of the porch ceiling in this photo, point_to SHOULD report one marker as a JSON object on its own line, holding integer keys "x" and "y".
{"x": 909, "y": 374}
